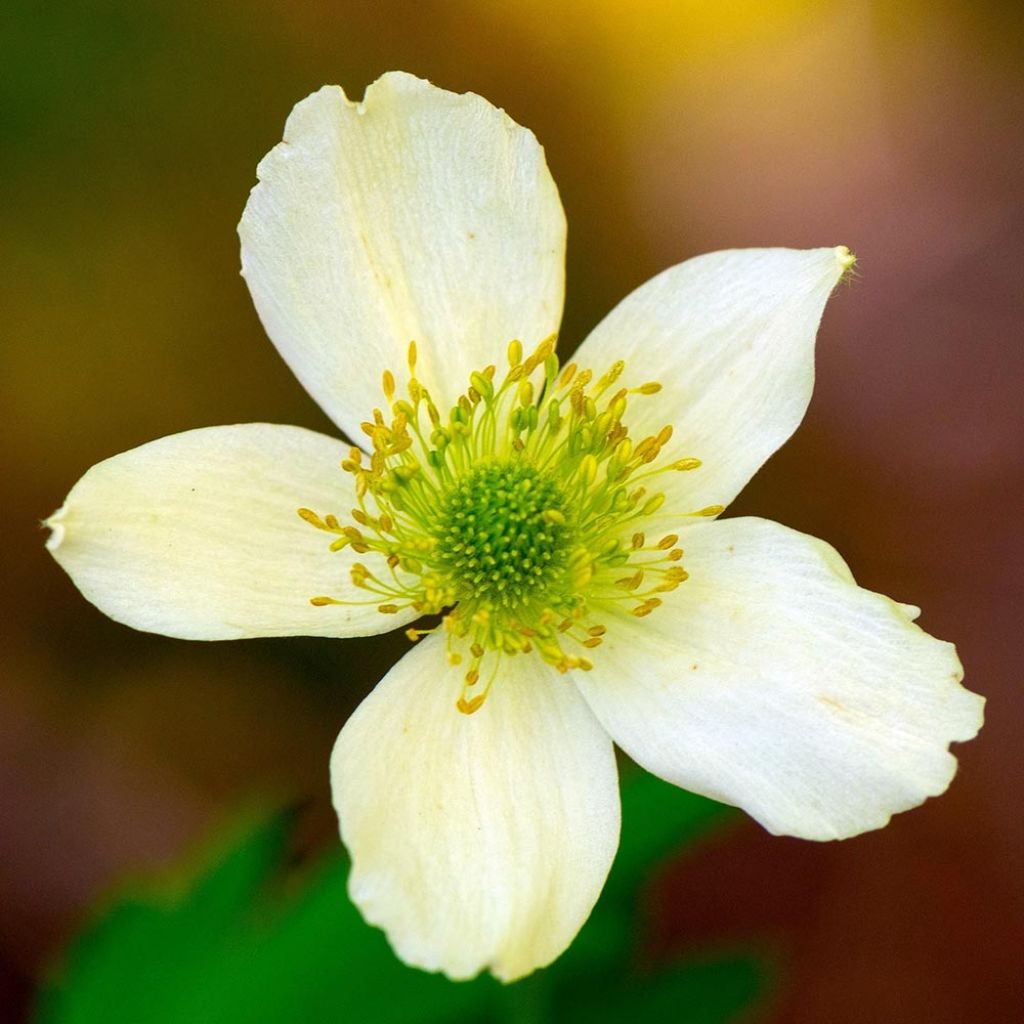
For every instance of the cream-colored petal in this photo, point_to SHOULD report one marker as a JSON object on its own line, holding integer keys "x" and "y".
{"x": 418, "y": 214}
{"x": 771, "y": 681}
{"x": 477, "y": 841}
{"x": 730, "y": 337}
{"x": 197, "y": 536}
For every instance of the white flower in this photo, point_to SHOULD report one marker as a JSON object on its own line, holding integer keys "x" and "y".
{"x": 504, "y": 490}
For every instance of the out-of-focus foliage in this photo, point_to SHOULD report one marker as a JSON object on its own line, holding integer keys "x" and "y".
{"x": 242, "y": 942}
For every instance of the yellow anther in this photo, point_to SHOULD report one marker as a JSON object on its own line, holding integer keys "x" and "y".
{"x": 631, "y": 582}
{"x": 610, "y": 377}
{"x": 653, "y": 504}
{"x": 482, "y": 385}
{"x": 671, "y": 582}
{"x": 646, "y": 445}
{"x": 412, "y": 358}
{"x": 647, "y": 607}
{"x": 682, "y": 465}
{"x": 388, "y": 385}
{"x": 467, "y": 707}
{"x": 638, "y": 541}
{"x": 616, "y": 408}
{"x": 667, "y": 541}
{"x": 711, "y": 510}
{"x": 515, "y": 352}
{"x": 539, "y": 354}
{"x": 320, "y": 602}
{"x": 312, "y": 518}
{"x": 650, "y": 388}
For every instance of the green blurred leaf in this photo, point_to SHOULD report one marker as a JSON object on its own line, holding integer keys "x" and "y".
{"x": 696, "y": 992}
{"x": 234, "y": 948}
{"x": 236, "y": 945}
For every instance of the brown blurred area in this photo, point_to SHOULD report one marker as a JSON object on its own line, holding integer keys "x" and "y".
{"x": 130, "y": 139}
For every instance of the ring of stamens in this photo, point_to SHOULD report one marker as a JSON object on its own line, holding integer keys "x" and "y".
{"x": 519, "y": 517}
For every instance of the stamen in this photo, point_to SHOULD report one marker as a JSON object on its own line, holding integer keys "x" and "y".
{"x": 518, "y": 516}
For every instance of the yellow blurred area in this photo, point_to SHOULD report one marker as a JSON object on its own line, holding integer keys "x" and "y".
{"x": 130, "y": 135}
{"x": 636, "y": 46}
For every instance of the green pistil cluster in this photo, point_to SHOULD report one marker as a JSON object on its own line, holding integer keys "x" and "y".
{"x": 502, "y": 536}
{"x": 519, "y": 517}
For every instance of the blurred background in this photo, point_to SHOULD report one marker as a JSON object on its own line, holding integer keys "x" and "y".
{"x": 130, "y": 133}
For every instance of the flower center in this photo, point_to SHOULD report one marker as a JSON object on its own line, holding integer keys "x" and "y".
{"x": 521, "y": 518}
{"x": 502, "y": 535}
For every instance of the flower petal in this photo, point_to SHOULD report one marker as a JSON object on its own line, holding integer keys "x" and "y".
{"x": 197, "y": 536}
{"x": 771, "y": 681}
{"x": 416, "y": 215}
{"x": 730, "y": 337}
{"x": 477, "y": 840}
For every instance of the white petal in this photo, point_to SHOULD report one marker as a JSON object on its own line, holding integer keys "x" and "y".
{"x": 197, "y": 536}
{"x": 771, "y": 681}
{"x": 418, "y": 214}
{"x": 481, "y": 840}
{"x": 730, "y": 337}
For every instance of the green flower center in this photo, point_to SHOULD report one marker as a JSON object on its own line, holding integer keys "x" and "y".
{"x": 520, "y": 518}
{"x": 502, "y": 536}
